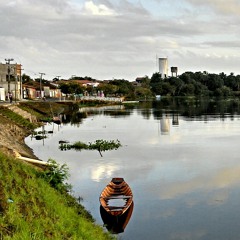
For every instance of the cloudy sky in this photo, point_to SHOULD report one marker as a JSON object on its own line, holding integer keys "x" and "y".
{"x": 120, "y": 39}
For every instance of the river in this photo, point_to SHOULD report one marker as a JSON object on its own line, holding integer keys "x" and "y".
{"x": 181, "y": 160}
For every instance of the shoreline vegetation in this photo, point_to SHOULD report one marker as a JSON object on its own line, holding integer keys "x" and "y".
{"x": 34, "y": 202}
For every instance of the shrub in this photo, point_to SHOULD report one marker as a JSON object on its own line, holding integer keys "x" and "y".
{"x": 56, "y": 175}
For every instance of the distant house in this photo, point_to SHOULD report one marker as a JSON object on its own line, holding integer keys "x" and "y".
{"x": 32, "y": 91}
{"x": 86, "y": 82}
{"x": 139, "y": 79}
{"x": 29, "y": 92}
{"x": 52, "y": 92}
{"x": 138, "y": 82}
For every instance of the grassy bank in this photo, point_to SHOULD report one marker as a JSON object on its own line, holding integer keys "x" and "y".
{"x": 31, "y": 209}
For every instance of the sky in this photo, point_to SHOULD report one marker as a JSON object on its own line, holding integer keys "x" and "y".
{"x": 119, "y": 39}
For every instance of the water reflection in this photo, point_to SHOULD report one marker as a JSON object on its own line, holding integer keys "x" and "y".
{"x": 116, "y": 224}
{"x": 167, "y": 109}
{"x": 102, "y": 171}
{"x": 114, "y": 111}
{"x": 181, "y": 157}
{"x": 165, "y": 124}
{"x": 175, "y": 119}
{"x": 219, "y": 181}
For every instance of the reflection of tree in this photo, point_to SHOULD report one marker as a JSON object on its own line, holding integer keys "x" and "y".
{"x": 146, "y": 113}
{"x": 77, "y": 117}
{"x": 74, "y": 117}
{"x": 195, "y": 108}
{"x": 146, "y": 109}
{"x": 192, "y": 108}
{"x": 118, "y": 113}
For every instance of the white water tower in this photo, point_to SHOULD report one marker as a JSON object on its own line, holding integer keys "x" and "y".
{"x": 163, "y": 67}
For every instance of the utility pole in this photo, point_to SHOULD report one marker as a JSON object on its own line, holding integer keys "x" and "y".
{"x": 41, "y": 74}
{"x": 15, "y": 90}
{"x": 21, "y": 87}
{"x": 8, "y": 60}
{"x": 58, "y": 77}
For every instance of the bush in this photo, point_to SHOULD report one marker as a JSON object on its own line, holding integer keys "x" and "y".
{"x": 56, "y": 176}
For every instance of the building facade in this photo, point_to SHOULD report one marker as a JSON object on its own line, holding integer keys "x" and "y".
{"x": 10, "y": 79}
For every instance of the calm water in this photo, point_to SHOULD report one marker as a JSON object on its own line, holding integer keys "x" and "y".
{"x": 181, "y": 160}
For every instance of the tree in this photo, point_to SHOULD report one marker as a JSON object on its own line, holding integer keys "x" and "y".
{"x": 188, "y": 89}
{"x": 238, "y": 82}
{"x": 156, "y": 83}
{"x": 142, "y": 93}
{"x": 71, "y": 88}
{"x": 156, "y": 78}
{"x": 76, "y": 88}
{"x": 64, "y": 88}
{"x": 177, "y": 84}
{"x": 167, "y": 89}
{"x": 214, "y": 82}
{"x": 145, "y": 82}
{"x": 26, "y": 78}
{"x": 186, "y": 77}
{"x": 107, "y": 88}
{"x": 124, "y": 87}
{"x": 232, "y": 82}
{"x": 223, "y": 92}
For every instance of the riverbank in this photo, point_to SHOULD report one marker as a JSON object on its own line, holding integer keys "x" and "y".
{"x": 12, "y": 135}
{"x": 17, "y": 121}
{"x": 29, "y": 206}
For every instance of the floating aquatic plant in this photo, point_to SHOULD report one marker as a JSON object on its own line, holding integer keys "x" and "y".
{"x": 100, "y": 145}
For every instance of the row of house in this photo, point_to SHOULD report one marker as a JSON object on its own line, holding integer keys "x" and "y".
{"x": 11, "y": 83}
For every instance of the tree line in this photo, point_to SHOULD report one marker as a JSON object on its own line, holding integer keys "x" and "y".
{"x": 186, "y": 84}
{"x": 197, "y": 84}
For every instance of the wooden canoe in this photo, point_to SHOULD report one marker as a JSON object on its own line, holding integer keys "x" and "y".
{"x": 116, "y": 224}
{"x": 116, "y": 197}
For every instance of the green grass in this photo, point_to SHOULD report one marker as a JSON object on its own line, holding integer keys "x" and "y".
{"x": 18, "y": 119}
{"x": 31, "y": 209}
{"x": 30, "y": 110}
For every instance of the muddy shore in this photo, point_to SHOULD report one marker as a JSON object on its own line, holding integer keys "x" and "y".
{"x": 13, "y": 134}
{"x": 12, "y": 138}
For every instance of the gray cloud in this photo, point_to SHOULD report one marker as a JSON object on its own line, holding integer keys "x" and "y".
{"x": 104, "y": 40}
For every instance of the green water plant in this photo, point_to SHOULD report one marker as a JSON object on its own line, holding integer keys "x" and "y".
{"x": 100, "y": 145}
